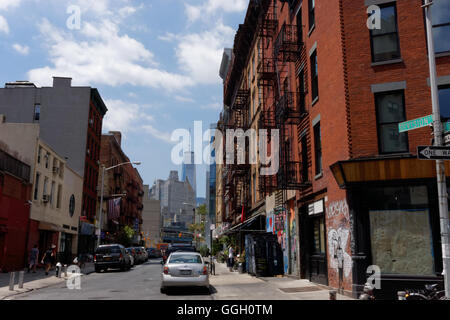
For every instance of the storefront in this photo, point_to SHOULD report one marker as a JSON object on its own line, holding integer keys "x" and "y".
{"x": 313, "y": 260}
{"x": 393, "y": 206}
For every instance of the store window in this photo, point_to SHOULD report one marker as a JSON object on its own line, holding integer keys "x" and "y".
{"x": 400, "y": 230}
{"x": 444, "y": 102}
{"x": 319, "y": 235}
{"x": 385, "y": 41}
{"x": 390, "y": 112}
{"x": 441, "y": 25}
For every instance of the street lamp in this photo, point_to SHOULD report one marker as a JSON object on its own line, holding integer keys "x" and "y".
{"x": 104, "y": 169}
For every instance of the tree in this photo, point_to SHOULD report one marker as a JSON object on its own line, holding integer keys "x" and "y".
{"x": 125, "y": 236}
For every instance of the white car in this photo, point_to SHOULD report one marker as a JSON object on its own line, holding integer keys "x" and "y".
{"x": 184, "y": 269}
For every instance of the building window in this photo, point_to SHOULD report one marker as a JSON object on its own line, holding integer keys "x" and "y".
{"x": 39, "y": 154}
{"x": 444, "y": 102}
{"x": 37, "y": 112}
{"x": 304, "y": 169}
{"x": 441, "y": 25}
{"x": 254, "y": 188}
{"x": 36, "y": 186}
{"x": 47, "y": 160}
{"x": 319, "y": 235}
{"x": 301, "y": 93}
{"x": 318, "y": 148}
{"x": 58, "y": 199}
{"x": 45, "y": 186}
{"x": 390, "y": 112}
{"x": 385, "y": 42}
{"x": 299, "y": 27}
{"x": 314, "y": 76}
{"x": 312, "y": 15}
{"x": 72, "y": 206}
{"x": 52, "y": 193}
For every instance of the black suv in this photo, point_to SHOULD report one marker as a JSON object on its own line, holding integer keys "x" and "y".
{"x": 175, "y": 248}
{"x": 111, "y": 256}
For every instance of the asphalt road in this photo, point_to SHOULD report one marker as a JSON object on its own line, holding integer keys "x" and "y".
{"x": 140, "y": 283}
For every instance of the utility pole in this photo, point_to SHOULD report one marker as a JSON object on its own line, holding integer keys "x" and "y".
{"x": 438, "y": 140}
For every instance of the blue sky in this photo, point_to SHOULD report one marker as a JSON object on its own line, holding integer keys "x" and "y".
{"x": 155, "y": 63}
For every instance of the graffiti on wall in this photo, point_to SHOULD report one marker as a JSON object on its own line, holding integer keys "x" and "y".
{"x": 337, "y": 244}
{"x": 338, "y": 215}
{"x": 338, "y": 208}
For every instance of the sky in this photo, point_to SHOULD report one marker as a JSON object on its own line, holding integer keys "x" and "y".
{"x": 155, "y": 63}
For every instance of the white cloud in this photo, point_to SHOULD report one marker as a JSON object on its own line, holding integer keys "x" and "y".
{"x": 164, "y": 136}
{"x": 4, "y": 27}
{"x": 121, "y": 116}
{"x": 23, "y": 50}
{"x": 211, "y": 7}
{"x": 200, "y": 54}
{"x": 184, "y": 99}
{"x": 103, "y": 56}
{"x": 7, "y": 4}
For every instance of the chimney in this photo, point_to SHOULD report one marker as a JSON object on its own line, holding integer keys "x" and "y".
{"x": 118, "y": 136}
{"x": 60, "y": 82}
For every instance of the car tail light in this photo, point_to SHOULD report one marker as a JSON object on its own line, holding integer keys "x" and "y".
{"x": 121, "y": 257}
{"x": 205, "y": 270}
{"x": 95, "y": 258}
{"x": 166, "y": 270}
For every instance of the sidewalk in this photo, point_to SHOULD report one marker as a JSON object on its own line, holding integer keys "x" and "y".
{"x": 234, "y": 286}
{"x": 34, "y": 281}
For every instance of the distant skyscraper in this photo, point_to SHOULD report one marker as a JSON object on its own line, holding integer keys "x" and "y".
{"x": 189, "y": 171}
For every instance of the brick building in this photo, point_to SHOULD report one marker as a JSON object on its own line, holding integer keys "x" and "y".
{"x": 15, "y": 194}
{"x": 350, "y": 191}
{"x": 123, "y": 184}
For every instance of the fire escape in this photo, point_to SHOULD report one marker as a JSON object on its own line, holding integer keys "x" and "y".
{"x": 289, "y": 108}
{"x": 267, "y": 80}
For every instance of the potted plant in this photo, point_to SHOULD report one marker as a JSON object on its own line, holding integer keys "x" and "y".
{"x": 241, "y": 260}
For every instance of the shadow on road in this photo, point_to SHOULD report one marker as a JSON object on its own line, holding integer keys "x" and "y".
{"x": 193, "y": 291}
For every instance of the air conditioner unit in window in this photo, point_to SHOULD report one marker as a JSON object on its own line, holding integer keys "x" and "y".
{"x": 45, "y": 198}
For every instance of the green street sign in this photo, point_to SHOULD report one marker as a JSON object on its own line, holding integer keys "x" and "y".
{"x": 446, "y": 126}
{"x": 415, "y": 124}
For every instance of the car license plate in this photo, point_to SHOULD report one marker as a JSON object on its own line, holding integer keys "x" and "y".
{"x": 186, "y": 272}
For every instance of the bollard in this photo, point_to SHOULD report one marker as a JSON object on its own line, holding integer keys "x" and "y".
{"x": 333, "y": 294}
{"x": 65, "y": 270}
{"x": 58, "y": 270}
{"x": 401, "y": 295}
{"x": 21, "y": 275}
{"x": 11, "y": 281}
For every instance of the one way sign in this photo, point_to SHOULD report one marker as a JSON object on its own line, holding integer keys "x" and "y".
{"x": 433, "y": 153}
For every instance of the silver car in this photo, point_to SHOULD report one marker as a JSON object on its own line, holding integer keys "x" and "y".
{"x": 184, "y": 269}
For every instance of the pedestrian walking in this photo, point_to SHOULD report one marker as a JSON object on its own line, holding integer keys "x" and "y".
{"x": 33, "y": 258}
{"x": 231, "y": 258}
{"x": 49, "y": 259}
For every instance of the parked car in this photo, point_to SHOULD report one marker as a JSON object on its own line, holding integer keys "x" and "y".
{"x": 175, "y": 248}
{"x": 111, "y": 256}
{"x": 130, "y": 253}
{"x": 152, "y": 253}
{"x": 133, "y": 253}
{"x": 141, "y": 255}
{"x": 144, "y": 251}
{"x": 184, "y": 269}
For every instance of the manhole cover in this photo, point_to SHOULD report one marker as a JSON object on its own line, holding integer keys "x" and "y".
{"x": 303, "y": 289}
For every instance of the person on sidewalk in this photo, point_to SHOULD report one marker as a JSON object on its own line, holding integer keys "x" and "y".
{"x": 33, "y": 258}
{"x": 49, "y": 258}
{"x": 230, "y": 258}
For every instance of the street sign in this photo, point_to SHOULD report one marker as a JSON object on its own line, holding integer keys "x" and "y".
{"x": 446, "y": 126}
{"x": 415, "y": 124}
{"x": 433, "y": 153}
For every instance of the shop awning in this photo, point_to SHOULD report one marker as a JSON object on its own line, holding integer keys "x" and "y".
{"x": 352, "y": 172}
{"x": 47, "y": 226}
{"x": 242, "y": 225}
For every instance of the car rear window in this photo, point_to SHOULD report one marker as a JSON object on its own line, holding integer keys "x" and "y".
{"x": 185, "y": 258}
{"x": 108, "y": 250}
